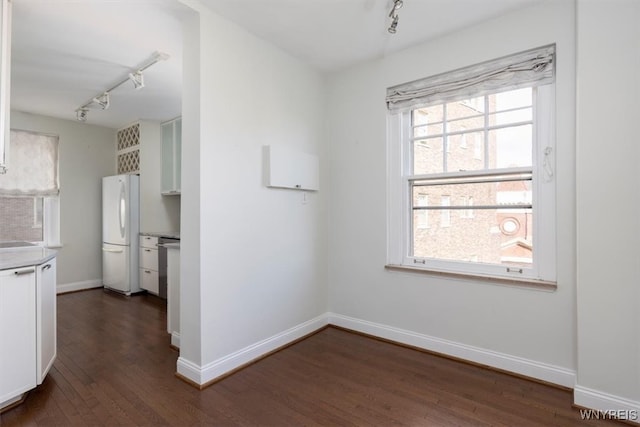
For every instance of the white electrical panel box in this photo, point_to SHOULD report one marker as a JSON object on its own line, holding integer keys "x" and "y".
{"x": 287, "y": 168}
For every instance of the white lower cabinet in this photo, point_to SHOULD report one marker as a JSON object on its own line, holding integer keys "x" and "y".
{"x": 17, "y": 332}
{"x": 173, "y": 293}
{"x": 27, "y": 328}
{"x": 47, "y": 323}
{"x": 149, "y": 278}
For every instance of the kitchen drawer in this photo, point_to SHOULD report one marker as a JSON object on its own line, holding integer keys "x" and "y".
{"x": 149, "y": 258}
{"x": 149, "y": 242}
{"x": 149, "y": 280}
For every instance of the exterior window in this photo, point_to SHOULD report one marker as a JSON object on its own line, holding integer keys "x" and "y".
{"x": 445, "y": 214}
{"x": 468, "y": 202}
{"x": 421, "y": 215}
{"x": 29, "y": 204}
{"x": 22, "y": 219}
{"x": 501, "y": 181}
{"x": 503, "y": 188}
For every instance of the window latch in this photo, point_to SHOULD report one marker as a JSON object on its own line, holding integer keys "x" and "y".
{"x": 514, "y": 270}
{"x": 419, "y": 261}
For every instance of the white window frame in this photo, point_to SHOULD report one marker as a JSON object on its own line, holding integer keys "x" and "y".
{"x": 399, "y": 215}
{"x": 51, "y": 222}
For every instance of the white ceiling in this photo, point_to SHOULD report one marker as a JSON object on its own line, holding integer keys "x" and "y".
{"x": 333, "y": 34}
{"x": 65, "y": 52}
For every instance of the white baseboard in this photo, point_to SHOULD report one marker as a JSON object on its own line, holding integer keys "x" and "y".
{"x": 224, "y": 365}
{"x": 529, "y": 368}
{"x": 540, "y": 371}
{"x": 79, "y": 286}
{"x": 175, "y": 339}
{"x": 594, "y": 399}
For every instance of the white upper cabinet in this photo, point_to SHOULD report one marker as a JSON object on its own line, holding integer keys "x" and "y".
{"x": 5, "y": 81}
{"x": 171, "y": 156}
{"x": 287, "y": 168}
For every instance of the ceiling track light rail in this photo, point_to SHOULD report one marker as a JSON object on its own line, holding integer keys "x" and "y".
{"x": 103, "y": 99}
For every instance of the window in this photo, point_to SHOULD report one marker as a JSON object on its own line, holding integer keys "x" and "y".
{"x": 21, "y": 219}
{"x": 503, "y": 189}
{"x": 421, "y": 214}
{"x": 29, "y": 207}
{"x": 445, "y": 214}
{"x": 468, "y": 202}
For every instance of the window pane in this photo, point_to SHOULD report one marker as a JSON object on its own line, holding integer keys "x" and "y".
{"x": 511, "y": 147}
{"x": 421, "y": 217}
{"x": 509, "y": 117}
{"x": 427, "y": 130}
{"x": 476, "y": 104}
{"x": 445, "y": 214}
{"x": 21, "y": 219}
{"x": 465, "y": 152}
{"x": 464, "y": 109}
{"x": 512, "y": 99}
{"x": 508, "y": 193}
{"x": 422, "y": 116}
{"x": 459, "y": 125}
{"x": 492, "y": 236}
{"x": 427, "y": 156}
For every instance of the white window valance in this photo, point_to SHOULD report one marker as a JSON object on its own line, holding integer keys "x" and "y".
{"x": 530, "y": 68}
{"x": 33, "y": 166}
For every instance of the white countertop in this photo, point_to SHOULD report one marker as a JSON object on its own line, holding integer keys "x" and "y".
{"x": 11, "y": 258}
{"x": 167, "y": 234}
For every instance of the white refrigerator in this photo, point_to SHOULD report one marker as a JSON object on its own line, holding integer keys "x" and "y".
{"x": 120, "y": 231}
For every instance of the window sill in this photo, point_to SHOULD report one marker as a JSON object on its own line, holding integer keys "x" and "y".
{"x": 498, "y": 280}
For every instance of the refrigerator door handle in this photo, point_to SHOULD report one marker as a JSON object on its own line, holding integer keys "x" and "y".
{"x": 122, "y": 209}
{"x": 117, "y": 251}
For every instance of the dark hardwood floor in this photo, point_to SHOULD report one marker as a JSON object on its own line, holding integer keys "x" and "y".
{"x": 115, "y": 367}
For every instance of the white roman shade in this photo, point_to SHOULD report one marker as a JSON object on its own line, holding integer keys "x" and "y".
{"x": 530, "y": 68}
{"x": 33, "y": 166}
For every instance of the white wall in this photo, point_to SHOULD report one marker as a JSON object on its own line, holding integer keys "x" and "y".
{"x": 87, "y": 153}
{"x": 608, "y": 202}
{"x": 262, "y": 252}
{"x": 256, "y": 261}
{"x": 492, "y": 324}
{"x": 157, "y": 212}
{"x": 190, "y": 261}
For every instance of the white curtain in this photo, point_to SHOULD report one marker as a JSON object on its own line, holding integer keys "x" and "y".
{"x": 32, "y": 167}
{"x": 530, "y": 68}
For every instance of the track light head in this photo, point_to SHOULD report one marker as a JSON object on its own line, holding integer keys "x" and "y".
{"x": 81, "y": 114}
{"x": 102, "y": 100}
{"x": 394, "y": 24}
{"x": 138, "y": 79}
{"x": 393, "y": 14}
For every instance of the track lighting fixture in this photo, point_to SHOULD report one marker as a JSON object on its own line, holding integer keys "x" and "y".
{"x": 81, "y": 114}
{"x": 393, "y": 14}
{"x": 103, "y": 99}
{"x": 138, "y": 79}
{"x": 394, "y": 24}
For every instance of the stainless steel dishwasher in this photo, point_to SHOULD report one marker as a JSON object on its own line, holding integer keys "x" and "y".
{"x": 162, "y": 265}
